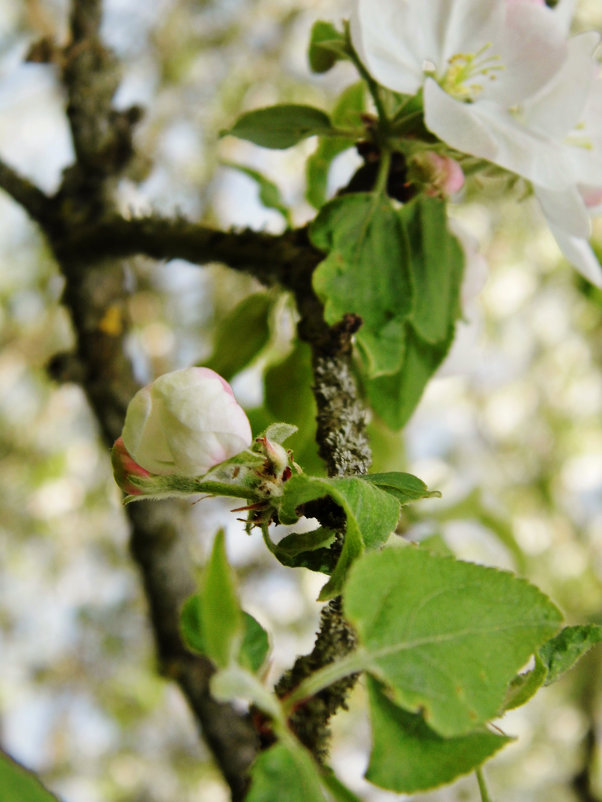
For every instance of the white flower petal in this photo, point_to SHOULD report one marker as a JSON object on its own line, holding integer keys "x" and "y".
{"x": 531, "y": 49}
{"x": 455, "y": 123}
{"x": 580, "y": 254}
{"x": 185, "y": 422}
{"x": 560, "y": 105}
{"x": 563, "y": 15}
{"x": 488, "y": 132}
{"x": 565, "y": 210}
{"x": 385, "y": 44}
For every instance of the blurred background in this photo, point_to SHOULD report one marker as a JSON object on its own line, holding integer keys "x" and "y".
{"x": 510, "y": 433}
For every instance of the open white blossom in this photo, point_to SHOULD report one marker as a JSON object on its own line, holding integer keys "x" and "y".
{"x": 571, "y": 107}
{"x": 476, "y": 62}
{"x": 501, "y": 81}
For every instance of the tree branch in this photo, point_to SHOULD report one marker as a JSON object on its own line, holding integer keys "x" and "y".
{"x": 35, "y": 202}
{"x": 84, "y": 231}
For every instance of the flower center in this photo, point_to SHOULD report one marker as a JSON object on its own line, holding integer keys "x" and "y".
{"x": 467, "y": 73}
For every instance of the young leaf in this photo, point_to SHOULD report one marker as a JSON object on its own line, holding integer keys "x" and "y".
{"x": 445, "y": 636}
{"x": 18, "y": 784}
{"x": 305, "y": 549}
{"x": 326, "y": 46}
{"x": 562, "y": 652}
{"x": 371, "y": 517}
{"x": 365, "y": 272}
{"x": 255, "y": 643}
{"x": 220, "y": 613}
{"x": 525, "y": 685}
{"x": 403, "y": 486}
{"x": 286, "y": 771}
{"x": 394, "y": 397}
{"x": 346, "y": 114}
{"x": 437, "y": 264}
{"x": 233, "y": 350}
{"x": 269, "y": 194}
{"x": 281, "y": 126}
{"x": 407, "y": 756}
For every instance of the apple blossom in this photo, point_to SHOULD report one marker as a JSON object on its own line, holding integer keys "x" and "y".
{"x": 476, "y": 62}
{"x": 185, "y": 422}
{"x": 501, "y": 82}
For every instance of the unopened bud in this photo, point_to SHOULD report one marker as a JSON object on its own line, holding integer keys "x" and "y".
{"x": 439, "y": 175}
{"x": 185, "y": 422}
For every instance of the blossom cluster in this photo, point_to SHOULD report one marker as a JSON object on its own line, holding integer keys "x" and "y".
{"x": 502, "y": 81}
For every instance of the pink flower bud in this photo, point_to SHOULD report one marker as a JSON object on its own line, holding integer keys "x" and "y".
{"x": 185, "y": 422}
{"x": 441, "y": 175}
{"x": 124, "y": 467}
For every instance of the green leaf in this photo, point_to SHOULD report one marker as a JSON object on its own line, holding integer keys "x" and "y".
{"x": 365, "y": 272}
{"x": 220, "y": 613}
{"x": 340, "y": 792}
{"x": 241, "y": 335}
{"x": 191, "y": 624}
{"x": 326, "y": 46}
{"x": 437, "y": 264}
{"x": 18, "y": 784}
{"x": 395, "y": 397}
{"x": 346, "y": 114}
{"x": 525, "y": 685}
{"x": 305, "y": 549}
{"x": 288, "y": 396}
{"x": 255, "y": 643}
{"x": 281, "y": 773}
{"x": 562, "y": 652}
{"x": 371, "y": 517}
{"x": 269, "y": 193}
{"x": 407, "y": 756}
{"x": 286, "y": 771}
{"x": 404, "y": 486}
{"x": 445, "y": 636}
{"x": 281, "y": 126}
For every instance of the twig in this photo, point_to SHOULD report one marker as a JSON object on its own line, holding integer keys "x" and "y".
{"x": 33, "y": 200}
